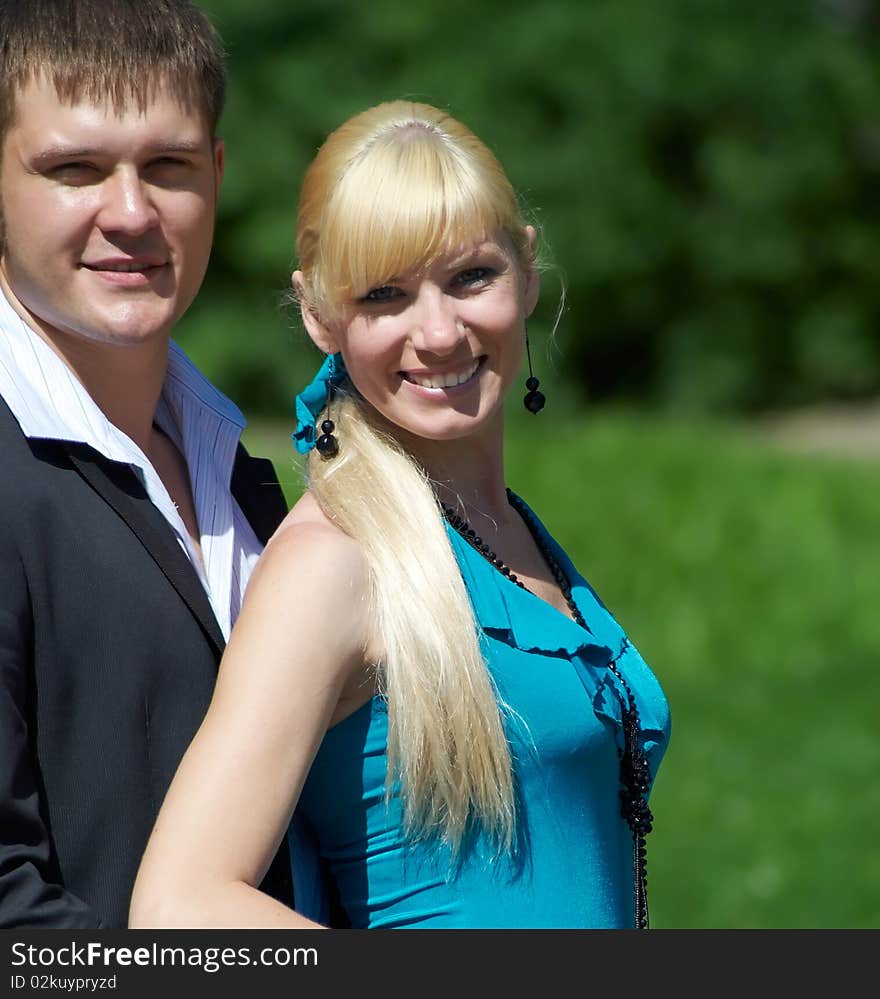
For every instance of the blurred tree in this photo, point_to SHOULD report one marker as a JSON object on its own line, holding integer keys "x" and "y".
{"x": 705, "y": 173}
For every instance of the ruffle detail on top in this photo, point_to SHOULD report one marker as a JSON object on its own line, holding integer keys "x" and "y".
{"x": 516, "y": 616}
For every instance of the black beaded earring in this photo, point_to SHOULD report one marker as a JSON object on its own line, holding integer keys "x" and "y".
{"x": 533, "y": 399}
{"x": 327, "y": 445}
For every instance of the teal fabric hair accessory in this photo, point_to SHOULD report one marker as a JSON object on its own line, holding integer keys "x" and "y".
{"x": 313, "y": 398}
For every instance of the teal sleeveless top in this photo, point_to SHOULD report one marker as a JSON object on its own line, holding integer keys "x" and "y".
{"x": 572, "y": 865}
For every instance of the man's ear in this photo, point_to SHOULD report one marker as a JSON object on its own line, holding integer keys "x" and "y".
{"x": 321, "y": 335}
{"x": 219, "y": 166}
{"x": 532, "y": 276}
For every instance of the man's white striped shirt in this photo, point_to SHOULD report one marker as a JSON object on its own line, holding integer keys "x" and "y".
{"x": 50, "y": 402}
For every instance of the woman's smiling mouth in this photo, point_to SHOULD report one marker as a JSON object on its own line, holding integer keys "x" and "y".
{"x": 443, "y": 380}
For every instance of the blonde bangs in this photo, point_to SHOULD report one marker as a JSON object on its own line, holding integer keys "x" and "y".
{"x": 424, "y": 199}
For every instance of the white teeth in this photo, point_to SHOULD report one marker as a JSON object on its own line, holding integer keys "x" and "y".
{"x": 444, "y": 381}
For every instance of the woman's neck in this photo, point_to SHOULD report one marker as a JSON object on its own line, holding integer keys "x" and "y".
{"x": 468, "y": 477}
{"x": 467, "y": 473}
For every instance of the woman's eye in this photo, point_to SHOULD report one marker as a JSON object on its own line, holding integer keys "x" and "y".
{"x": 474, "y": 275}
{"x": 385, "y": 293}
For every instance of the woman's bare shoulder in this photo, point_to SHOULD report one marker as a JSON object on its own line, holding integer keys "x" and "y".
{"x": 307, "y": 532}
{"x": 305, "y": 511}
{"x": 310, "y": 560}
{"x": 309, "y": 574}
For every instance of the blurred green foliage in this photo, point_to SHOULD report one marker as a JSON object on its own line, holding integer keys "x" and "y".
{"x": 705, "y": 173}
{"x": 747, "y": 578}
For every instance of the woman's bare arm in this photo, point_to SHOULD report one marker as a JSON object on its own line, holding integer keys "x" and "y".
{"x": 296, "y": 654}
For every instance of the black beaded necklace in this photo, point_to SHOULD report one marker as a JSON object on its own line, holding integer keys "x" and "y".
{"x": 634, "y": 771}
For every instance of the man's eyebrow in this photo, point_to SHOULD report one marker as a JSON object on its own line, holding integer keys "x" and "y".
{"x": 181, "y": 146}
{"x": 62, "y": 151}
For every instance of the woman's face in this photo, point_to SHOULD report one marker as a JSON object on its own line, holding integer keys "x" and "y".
{"x": 435, "y": 351}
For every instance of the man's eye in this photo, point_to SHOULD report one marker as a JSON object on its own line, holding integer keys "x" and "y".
{"x": 169, "y": 161}
{"x": 75, "y": 173}
{"x": 167, "y": 170}
{"x": 385, "y": 293}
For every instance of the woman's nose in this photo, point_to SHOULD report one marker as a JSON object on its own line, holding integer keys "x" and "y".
{"x": 437, "y": 326}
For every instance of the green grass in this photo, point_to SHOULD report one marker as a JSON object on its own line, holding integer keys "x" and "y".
{"x": 750, "y": 580}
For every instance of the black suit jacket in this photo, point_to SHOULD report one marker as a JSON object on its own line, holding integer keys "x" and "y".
{"x": 108, "y": 658}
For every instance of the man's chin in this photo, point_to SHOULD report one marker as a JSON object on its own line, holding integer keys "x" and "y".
{"x": 129, "y": 333}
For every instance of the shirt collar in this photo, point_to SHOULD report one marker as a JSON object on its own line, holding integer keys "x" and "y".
{"x": 49, "y": 401}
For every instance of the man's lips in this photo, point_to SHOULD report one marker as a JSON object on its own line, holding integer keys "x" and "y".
{"x": 124, "y": 265}
{"x": 127, "y": 272}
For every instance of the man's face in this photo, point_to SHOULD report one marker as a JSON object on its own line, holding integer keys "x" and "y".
{"x": 108, "y": 217}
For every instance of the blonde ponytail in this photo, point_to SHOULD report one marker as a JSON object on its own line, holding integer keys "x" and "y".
{"x": 446, "y": 739}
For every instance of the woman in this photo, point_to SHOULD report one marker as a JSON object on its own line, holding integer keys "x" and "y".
{"x": 419, "y": 673}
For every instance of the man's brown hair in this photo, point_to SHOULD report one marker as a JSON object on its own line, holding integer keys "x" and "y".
{"x": 114, "y": 50}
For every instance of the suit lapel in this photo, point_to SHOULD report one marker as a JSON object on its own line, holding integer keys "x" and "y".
{"x": 256, "y": 490}
{"x": 117, "y": 484}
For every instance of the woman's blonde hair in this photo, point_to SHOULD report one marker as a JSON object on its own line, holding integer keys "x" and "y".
{"x": 388, "y": 191}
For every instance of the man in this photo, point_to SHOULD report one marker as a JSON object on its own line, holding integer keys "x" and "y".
{"x": 130, "y": 515}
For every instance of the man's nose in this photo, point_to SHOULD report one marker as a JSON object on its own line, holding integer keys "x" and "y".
{"x": 127, "y": 203}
